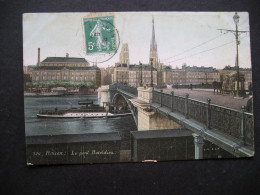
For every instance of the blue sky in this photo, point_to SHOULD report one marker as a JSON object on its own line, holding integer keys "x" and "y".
{"x": 177, "y": 33}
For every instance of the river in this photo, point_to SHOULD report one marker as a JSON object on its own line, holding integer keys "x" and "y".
{"x": 35, "y": 126}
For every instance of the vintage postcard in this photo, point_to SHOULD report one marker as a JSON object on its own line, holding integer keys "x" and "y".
{"x": 137, "y": 87}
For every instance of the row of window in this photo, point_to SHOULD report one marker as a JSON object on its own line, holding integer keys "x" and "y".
{"x": 196, "y": 73}
{"x": 54, "y": 78}
{"x": 199, "y": 76}
{"x": 61, "y": 64}
{"x": 190, "y": 77}
{"x": 143, "y": 75}
{"x": 65, "y": 73}
{"x": 194, "y": 80}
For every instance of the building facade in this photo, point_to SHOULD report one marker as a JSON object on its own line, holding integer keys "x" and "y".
{"x": 195, "y": 75}
{"x": 136, "y": 72}
{"x": 65, "y": 69}
{"x": 121, "y": 73}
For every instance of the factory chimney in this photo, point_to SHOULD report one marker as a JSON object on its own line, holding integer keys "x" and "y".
{"x": 39, "y": 58}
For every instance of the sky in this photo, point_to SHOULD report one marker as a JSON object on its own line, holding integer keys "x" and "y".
{"x": 182, "y": 37}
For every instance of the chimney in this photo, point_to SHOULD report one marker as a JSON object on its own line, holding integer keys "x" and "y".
{"x": 39, "y": 58}
{"x": 67, "y": 55}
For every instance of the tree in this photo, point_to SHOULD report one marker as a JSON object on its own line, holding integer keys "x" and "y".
{"x": 27, "y": 80}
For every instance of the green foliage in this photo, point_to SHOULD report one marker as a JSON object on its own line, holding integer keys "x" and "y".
{"x": 60, "y": 84}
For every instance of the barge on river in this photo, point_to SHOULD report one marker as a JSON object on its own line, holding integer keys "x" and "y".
{"x": 89, "y": 111}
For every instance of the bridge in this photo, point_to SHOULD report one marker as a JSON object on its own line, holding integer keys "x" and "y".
{"x": 230, "y": 129}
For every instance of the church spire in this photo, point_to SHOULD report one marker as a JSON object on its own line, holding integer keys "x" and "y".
{"x": 153, "y": 41}
{"x": 153, "y": 48}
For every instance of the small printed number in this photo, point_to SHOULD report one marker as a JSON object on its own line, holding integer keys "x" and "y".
{"x": 90, "y": 46}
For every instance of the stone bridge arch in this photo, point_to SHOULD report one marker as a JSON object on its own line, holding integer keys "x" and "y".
{"x": 120, "y": 100}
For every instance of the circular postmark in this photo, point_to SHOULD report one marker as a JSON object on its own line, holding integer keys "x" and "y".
{"x": 101, "y": 39}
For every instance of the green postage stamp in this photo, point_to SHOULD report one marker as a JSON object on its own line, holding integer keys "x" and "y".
{"x": 99, "y": 35}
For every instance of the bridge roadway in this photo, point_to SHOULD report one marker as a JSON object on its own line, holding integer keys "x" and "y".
{"x": 203, "y": 94}
{"x": 230, "y": 129}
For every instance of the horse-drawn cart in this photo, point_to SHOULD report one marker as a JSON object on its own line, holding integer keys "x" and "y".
{"x": 230, "y": 84}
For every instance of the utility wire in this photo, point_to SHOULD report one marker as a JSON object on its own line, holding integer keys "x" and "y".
{"x": 205, "y": 50}
{"x": 244, "y": 27}
{"x": 195, "y": 47}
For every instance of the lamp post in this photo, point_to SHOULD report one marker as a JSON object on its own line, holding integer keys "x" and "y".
{"x": 141, "y": 74}
{"x": 236, "y": 33}
{"x": 236, "y": 21}
{"x": 151, "y": 83}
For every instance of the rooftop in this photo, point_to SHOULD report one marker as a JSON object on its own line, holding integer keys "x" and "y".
{"x": 65, "y": 60}
{"x": 197, "y": 69}
{"x": 235, "y": 68}
{"x": 64, "y": 67}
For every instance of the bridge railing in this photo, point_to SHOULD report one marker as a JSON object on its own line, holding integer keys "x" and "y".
{"x": 113, "y": 86}
{"x": 238, "y": 124}
{"x": 126, "y": 88}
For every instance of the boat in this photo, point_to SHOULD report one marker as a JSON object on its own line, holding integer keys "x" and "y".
{"x": 83, "y": 115}
{"x": 88, "y": 111}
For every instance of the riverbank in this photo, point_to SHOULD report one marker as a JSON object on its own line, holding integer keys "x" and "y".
{"x": 54, "y": 94}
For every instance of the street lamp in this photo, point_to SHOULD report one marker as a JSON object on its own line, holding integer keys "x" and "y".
{"x": 236, "y": 33}
{"x": 236, "y": 18}
{"x": 236, "y": 21}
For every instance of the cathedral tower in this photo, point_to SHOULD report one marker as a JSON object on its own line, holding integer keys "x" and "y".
{"x": 124, "y": 55}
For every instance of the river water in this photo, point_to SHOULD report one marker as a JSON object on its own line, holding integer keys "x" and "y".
{"x": 35, "y": 126}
